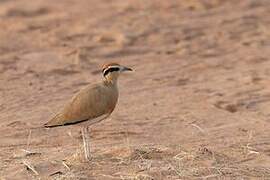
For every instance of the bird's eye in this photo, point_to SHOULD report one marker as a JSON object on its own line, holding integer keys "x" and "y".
{"x": 111, "y": 69}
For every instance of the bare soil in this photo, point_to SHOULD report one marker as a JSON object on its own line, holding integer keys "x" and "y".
{"x": 196, "y": 107}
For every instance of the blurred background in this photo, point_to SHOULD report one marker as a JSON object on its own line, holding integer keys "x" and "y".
{"x": 197, "y": 105}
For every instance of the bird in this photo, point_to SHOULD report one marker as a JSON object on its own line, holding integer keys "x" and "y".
{"x": 91, "y": 104}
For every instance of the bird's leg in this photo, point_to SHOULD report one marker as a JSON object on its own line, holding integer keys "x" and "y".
{"x": 86, "y": 138}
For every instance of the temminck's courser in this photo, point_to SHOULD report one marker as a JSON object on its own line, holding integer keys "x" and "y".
{"x": 91, "y": 104}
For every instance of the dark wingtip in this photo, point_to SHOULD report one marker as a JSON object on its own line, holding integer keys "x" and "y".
{"x": 47, "y": 125}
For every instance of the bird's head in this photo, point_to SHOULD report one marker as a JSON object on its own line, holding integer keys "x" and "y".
{"x": 112, "y": 71}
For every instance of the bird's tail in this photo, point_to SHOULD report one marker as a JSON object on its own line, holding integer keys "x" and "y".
{"x": 55, "y": 121}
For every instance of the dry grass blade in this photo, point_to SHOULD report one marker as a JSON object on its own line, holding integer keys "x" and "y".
{"x": 199, "y": 128}
{"x": 29, "y": 139}
{"x": 30, "y": 153}
{"x": 30, "y": 167}
{"x": 109, "y": 176}
{"x": 66, "y": 166}
{"x": 56, "y": 173}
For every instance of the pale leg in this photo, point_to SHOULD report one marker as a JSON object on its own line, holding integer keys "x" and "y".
{"x": 85, "y": 134}
{"x": 86, "y": 138}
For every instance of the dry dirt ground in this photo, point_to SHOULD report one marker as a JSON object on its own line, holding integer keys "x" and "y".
{"x": 196, "y": 107}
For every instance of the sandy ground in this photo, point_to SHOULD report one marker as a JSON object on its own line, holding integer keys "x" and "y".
{"x": 196, "y": 107}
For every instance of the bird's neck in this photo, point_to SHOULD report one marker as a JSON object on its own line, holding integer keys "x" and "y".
{"x": 110, "y": 81}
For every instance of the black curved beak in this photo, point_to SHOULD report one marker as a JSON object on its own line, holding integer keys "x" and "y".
{"x": 126, "y": 69}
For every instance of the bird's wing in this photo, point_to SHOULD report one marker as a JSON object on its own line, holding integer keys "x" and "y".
{"x": 83, "y": 106}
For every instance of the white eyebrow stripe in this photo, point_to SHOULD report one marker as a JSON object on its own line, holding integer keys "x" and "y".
{"x": 109, "y": 67}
